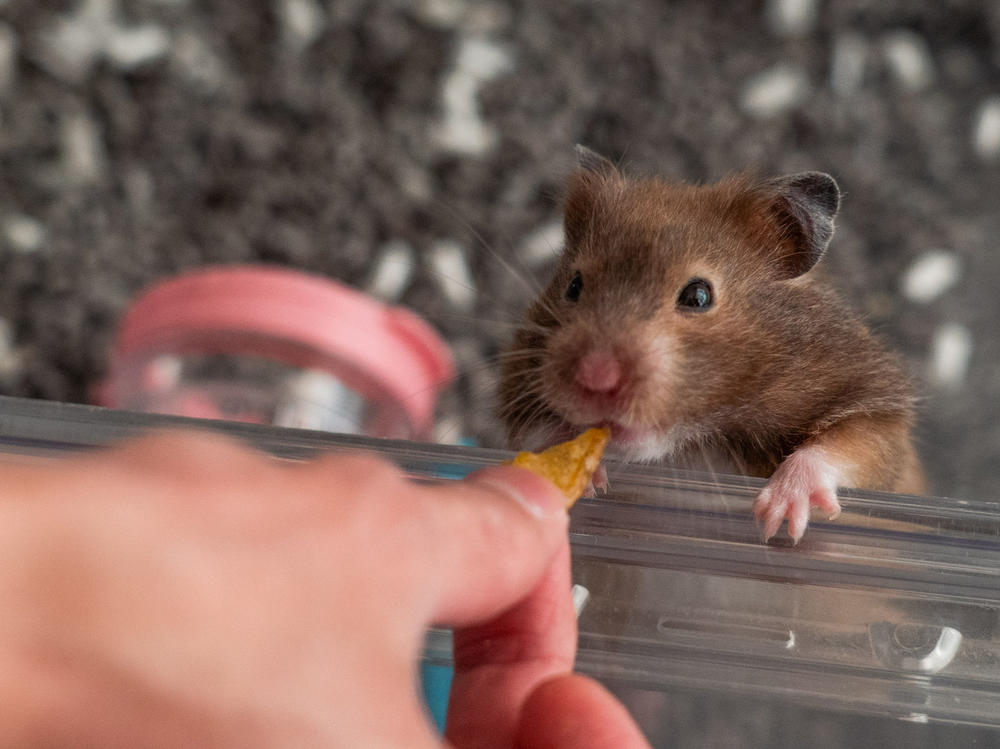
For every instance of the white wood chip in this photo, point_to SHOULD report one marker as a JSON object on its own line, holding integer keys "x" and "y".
{"x": 23, "y": 233}
{"x": 775, "y": 91}
{"x": 132, "y": 48}
{"x": 462, "y": 129}
{"x": 451, "y": 271}
{"x": 951, "y": 350}
{"x": 303, "y": 21}
{"x": 792, "y": 18}
{"x": 393, "y": 271}
{"x": 909, "y": 59}
{"x": 543, "y": 244}
{"x": 986, "y": 130}
{"x": 931, "y": 275}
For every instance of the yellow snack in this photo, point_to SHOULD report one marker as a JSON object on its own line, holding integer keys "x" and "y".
{"x": 569, "y": 465}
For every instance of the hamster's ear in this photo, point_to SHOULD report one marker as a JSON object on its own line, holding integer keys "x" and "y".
{"x": 803, "y": 207}
{"x": 591, "y": 161}
{"x": 584, "y": 192}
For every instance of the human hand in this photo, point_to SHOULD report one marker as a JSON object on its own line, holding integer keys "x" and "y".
{"x": 182, "y": 590}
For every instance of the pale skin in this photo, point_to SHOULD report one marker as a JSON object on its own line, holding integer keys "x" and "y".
{"x": 183, "y": 590}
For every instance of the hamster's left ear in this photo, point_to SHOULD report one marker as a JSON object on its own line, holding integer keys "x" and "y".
{"x": 592, "y": 179}
{"x": 803, "y": 207}
{"x": 593, "y": 162}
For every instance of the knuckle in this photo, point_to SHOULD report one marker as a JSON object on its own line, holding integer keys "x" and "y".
{"x": 363, "y": 486}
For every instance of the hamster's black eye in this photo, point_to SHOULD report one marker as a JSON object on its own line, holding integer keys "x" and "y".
{"x": 696, "y": 295}
{"x": 575, "y": 287}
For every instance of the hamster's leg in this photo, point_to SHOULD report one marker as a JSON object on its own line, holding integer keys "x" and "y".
{"x": 869, "y": 452}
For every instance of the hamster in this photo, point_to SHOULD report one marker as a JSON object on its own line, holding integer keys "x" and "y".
{"x": 693, "y": 322}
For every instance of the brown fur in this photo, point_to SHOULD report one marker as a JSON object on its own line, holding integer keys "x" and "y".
{"x": 778, "y": 362}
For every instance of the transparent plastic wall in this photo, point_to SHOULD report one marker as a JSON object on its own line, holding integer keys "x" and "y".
{"x": 892, "y": 611}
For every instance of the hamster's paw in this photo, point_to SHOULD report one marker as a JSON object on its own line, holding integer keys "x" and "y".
{"x": 598, "y": 486}
{"x": 600, "y": 480}
{"x": 805, "y": 479}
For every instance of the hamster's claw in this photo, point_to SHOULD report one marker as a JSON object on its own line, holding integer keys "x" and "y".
{"x": 600, "y": 480}
{"x": 598, "y": 486}
{"x": 803, "y": 481}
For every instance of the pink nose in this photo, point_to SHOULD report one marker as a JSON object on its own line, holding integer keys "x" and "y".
{"x": 599, "y": 372}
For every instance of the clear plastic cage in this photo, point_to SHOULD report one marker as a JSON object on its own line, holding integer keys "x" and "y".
{"x": 883, "y": 625}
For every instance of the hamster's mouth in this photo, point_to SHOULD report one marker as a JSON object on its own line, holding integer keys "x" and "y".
{"x": 636, "y": 444}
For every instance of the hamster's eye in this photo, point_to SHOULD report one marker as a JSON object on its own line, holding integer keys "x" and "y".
{"x": 575, "y": 287}
{"x": 696, "y": 296}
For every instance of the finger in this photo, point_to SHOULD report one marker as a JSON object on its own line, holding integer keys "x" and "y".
{"x": 772, "y": 515}
{"x": 194, "y": 449}
{"x": 144, "y": 451}
{"x": 798, "y": 519}
{"x": 499, "y": 663}
{"x": 826, "y": 500}
{"x": 761, "y": 504}
{"x": 576, "y": 712}
{"x": 489, "y": 539}
{"x": 167, "y": 460}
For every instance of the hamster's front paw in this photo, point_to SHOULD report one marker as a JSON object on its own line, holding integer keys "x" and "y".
{"x": 598, "y": 486}
{"x": 805, "y": 479}
{"x": 600, "y": 480}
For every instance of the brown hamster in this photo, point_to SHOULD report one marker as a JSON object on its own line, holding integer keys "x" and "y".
{"x": 691, "y": 320}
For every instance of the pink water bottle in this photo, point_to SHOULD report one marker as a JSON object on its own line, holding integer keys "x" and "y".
{"x": 275, "y": 346}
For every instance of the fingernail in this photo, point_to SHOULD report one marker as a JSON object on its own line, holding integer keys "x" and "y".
{"x": 535, "y": 494}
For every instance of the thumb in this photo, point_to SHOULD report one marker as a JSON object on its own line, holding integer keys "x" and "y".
{"x": 574, "y": 712}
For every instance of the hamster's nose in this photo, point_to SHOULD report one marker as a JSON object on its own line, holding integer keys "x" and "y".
{"x": 599, "y": 372}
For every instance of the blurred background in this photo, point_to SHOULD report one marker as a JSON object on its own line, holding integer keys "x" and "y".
{"x": 415, "y": 149}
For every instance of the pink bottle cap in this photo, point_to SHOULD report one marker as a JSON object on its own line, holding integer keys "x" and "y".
{"x": 380, "y": 350}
